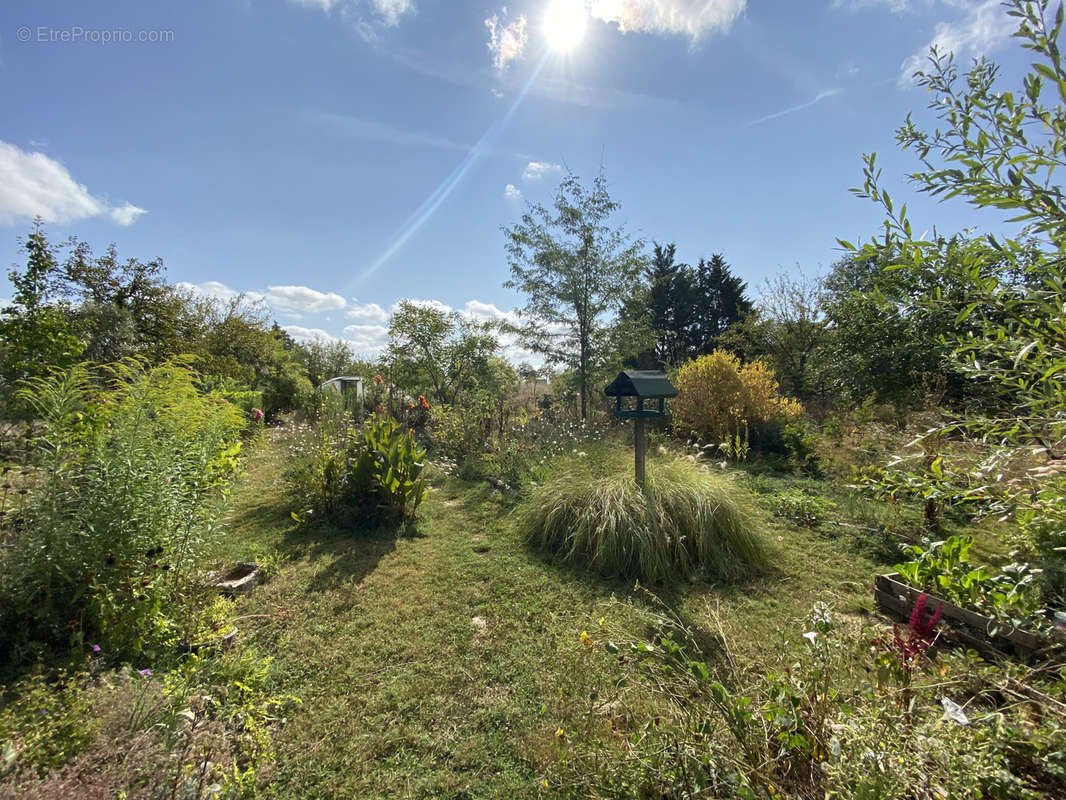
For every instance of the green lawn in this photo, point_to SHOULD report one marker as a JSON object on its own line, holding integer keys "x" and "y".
{"x": 440, "y": 665}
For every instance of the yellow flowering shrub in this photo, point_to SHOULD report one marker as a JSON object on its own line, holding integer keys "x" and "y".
{"x": 717, "y": 396}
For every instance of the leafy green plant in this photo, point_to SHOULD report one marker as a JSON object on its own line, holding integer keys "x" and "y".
{"x": 802, "y": 508}
{"x": 801, "y": 441}
{"x": 385, "y": 475}
{"x": 590, "y": 512}
{"x": 122, "y": 491}
{"x": 943, "y": 568}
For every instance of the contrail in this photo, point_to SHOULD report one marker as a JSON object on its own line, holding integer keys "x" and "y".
{"x": 438, "y": 196}
{"x": 818, "y": 98}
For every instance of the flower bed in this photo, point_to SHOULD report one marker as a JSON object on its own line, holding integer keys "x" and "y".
{"x": 990, "y": 637}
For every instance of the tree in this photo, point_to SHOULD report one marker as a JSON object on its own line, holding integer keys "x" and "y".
{"x": 719, "y": 302}
{"x": 670, "y": 306}
{"x": 997, "y": 149}
{"x": 122, "y": 309}
{"x": 36, "y": 334}
{"x": 439, "y": 353}
{"x": 576, "y": 271}
{"x": 786, "y": 328}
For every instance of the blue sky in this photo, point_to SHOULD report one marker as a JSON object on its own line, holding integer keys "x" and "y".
{"x": 334, "y": 156}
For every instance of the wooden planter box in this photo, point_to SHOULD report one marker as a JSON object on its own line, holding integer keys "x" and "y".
{"x": 989, "y": 637}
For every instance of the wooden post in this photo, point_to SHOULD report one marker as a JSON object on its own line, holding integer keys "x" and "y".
{"x": 638, "y": 450}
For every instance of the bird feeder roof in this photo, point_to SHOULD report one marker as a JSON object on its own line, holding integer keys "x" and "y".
{"x": 641, "y": 383}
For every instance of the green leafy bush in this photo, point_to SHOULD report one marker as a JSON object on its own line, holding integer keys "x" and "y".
{"x": 590, "y": 512}
{"x": 804, "y": 509}
{"x": 121, "y": 494}
{"x": 385, "y": 476}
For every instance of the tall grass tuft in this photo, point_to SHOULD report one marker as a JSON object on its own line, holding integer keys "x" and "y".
{"x": 686, "y": 521}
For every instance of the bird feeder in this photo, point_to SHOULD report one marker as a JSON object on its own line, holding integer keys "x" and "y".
{"x": 646, "y": 386}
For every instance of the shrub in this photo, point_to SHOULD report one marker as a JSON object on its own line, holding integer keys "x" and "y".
{"x": 385, "y": 476}
{"x": 717, "y": 396}
{"x": 803, "y": 509}
{"x": 458, "y": 433}
{"x": 119, "y": 497}
{"x": 591, "y": 512}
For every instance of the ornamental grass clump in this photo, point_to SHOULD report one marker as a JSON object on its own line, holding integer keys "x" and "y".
{"x": 686, "y": 521}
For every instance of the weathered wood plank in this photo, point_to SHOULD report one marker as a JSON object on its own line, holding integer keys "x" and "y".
{"x": 975, "y": 630}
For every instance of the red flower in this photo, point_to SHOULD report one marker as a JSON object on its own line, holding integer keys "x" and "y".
{"x": 422, "y": 400}
{"x": 378, "y": 379}
{"x": 923, "y": 628}
{"x": 379, "y": 409}
{"x": 410, "y": 405}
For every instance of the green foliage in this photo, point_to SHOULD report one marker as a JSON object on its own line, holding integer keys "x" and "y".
{"x": 787, "y": 329}
{"x": 385, "y": 476}
{"x": 686, "y": 520}
{"x": 943, "y": 568}
{"x": 440, "y": 353}
{"x": 122, "y": 494}
{"x": 804, "y": 509}
{"x": 46, "y": 724}
{"x": 686, "y": 308}
{"x": 36, "y": 333}
{"x": 801, "y": 441}
{"x": 996, "y": 149}
{"x": 878, "y": 341}
{"x": 198, "y": 730}
{"x": 575, "y": 269}
{"x": 459, "y": 432}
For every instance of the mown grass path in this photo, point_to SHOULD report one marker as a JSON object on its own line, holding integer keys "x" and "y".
{"x": 439, "y": 665}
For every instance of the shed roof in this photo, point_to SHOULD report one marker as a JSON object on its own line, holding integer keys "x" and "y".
{"x": 641, "y": 383}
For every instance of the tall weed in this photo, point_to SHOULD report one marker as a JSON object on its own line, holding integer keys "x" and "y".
{"x": 125, "y": 475}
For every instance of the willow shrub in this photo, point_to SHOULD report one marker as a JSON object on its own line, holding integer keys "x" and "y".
{"x": 686, "y": 520}
{"x": 717, "y": 396}
{"x": 122, "y": 484}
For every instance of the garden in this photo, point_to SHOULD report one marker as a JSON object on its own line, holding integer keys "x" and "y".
{"x": 839, "y": 572}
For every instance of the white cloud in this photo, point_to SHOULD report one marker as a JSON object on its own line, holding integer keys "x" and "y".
{"x": 692, "y": 18}
{"x": 506, "y": 42}
{"x": 370, "y": 313}
{"x": 125, "y": 215}
{"x": 390, "y": 11}
{"x": 817, "y": 99}
{"x": 367, "y": 338}
{"x": 535, "y": 170}
{"x": 487, "y": 312}
{"x": 512, "y": 192}
{"x": 984, "y": 27}
{"x": 435, "y": 304}
{"x": 302, "y": 299}
{"x": 302, "y": 334}
{"x": 32, "y": 184}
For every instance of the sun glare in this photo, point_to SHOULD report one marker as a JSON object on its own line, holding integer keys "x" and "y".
{"x": 564, "y": 24}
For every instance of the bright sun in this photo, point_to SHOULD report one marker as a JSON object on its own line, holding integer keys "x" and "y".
{"x": 564, "y": 24}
